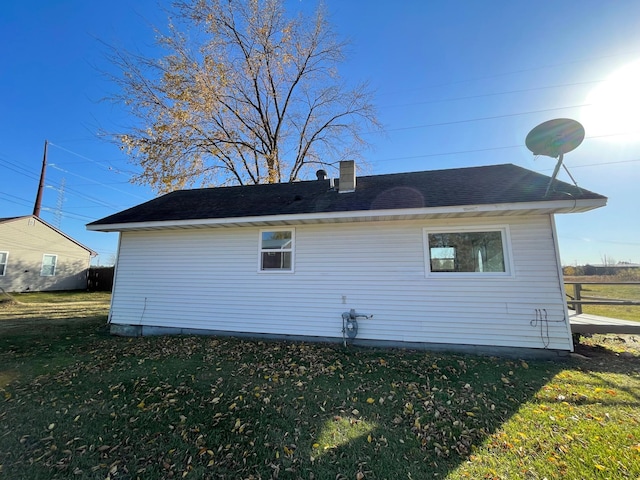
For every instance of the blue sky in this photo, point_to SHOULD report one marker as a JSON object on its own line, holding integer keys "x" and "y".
{"x": 458, "y": 83}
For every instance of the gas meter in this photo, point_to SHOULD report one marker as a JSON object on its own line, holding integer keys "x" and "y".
{"x": 350, "y": 325}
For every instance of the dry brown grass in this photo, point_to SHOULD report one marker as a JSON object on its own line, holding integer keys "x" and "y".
{"x": 40, "y": 313}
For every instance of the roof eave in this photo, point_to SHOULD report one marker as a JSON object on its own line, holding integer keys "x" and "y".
{"x": 520, "y": 208}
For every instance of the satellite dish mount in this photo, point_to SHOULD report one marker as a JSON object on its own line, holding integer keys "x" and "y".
{"x": 553, "y": 139}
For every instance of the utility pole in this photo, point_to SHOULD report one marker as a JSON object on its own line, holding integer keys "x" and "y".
{"x": 38, "y": 204}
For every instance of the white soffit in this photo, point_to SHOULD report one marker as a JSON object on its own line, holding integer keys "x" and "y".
{"x": 506, "y": 209}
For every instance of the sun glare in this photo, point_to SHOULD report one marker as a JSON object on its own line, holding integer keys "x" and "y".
{"x": 613, "y": 107}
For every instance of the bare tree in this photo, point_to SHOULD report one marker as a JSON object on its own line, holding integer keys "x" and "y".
{"x": 607, "y": 261}
{"x": 243, "y": 95}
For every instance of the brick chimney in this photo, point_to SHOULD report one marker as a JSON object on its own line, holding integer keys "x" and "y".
{"x": 347, "y": 176}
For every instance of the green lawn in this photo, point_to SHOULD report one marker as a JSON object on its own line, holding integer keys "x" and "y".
{"x": 78, "y": 403}
{"x": 620, "y": 292}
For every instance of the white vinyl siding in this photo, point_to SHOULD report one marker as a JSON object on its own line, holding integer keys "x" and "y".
{"x": 378, "y": 268}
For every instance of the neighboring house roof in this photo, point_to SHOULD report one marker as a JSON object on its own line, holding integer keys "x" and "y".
{"x": 427, "y": 193}
{"x": 61, "y": 233}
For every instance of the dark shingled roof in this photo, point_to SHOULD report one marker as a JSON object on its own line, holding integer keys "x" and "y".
{"x": 494, "y": 184}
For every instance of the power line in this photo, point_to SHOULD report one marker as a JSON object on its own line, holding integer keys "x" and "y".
{"x": 108, "y": 166}
{"x": 515, "y": 72}
{"x": 605, "y": 163}
{"x": 22, "y": 171}
{"x": 614, "y": 242}
{"x": 86, "y": 197}
{"x": 18, "y": 169}
{"x": 488, "y": 149}
{"x": 53, "y": 165}
{"x": 25, "y": 203}
{"x": 495, "y": 94}
{"x": 69, "y": 215}
{"x": 478, "y": 119}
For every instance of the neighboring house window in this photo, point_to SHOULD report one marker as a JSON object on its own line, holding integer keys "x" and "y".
{"x": 4, "y": 257}
{"x": 276, "y": 250}
{"x": 48, "y": 265}
{"x": 468, "y": 251}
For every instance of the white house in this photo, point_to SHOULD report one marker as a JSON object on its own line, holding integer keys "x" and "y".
{"x": 463, "y": 259}
{"x": 34, "y": 256}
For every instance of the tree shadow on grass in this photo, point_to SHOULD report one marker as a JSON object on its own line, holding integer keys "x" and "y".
{"x": 409, "y": 414}
{"x": 227, "y": 408}
{"x": 614, "y": 362}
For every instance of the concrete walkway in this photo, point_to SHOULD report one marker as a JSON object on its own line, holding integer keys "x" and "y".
{"x": 585, "y": 323}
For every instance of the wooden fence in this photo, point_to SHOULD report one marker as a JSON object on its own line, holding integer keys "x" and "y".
{"x": 576, "y": 301}
{"x": 100, "y": 279}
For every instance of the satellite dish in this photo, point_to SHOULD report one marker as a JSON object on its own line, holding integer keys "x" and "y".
{"x": 553, "y": 139}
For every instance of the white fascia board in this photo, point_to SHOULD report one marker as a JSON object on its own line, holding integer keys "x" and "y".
{"x": 557, "y": 206}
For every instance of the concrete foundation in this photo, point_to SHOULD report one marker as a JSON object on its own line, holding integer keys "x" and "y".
{"x": 484, "y": 350}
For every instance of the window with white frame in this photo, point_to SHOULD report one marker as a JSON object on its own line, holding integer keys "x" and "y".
{"x": 48, "y": 265}
{"x": 276, "y": 250}
{"x": 467, "y": 251}
{"x": 4, "y": 257}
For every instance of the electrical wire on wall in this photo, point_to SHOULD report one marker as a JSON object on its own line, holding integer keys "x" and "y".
{"x": 144, "y": 309}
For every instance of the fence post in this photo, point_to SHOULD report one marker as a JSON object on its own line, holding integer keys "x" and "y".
{"x": 577, "y": 287}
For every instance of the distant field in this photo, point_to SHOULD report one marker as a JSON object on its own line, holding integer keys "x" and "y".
{"x": 619, "y": 292}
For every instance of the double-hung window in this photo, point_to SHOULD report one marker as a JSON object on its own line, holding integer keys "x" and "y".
{"x": 4, "y": 257}
{"x": 48, "y": 265}
{"x": 468, "y": 251}
{"x": 276, "y": 250}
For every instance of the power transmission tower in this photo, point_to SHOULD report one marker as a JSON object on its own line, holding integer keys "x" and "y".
{"x": 57, "y": 219}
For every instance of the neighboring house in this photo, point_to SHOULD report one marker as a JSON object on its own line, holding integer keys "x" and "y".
{"x": 34, "y": 256}
{"x": 458, "y": 259}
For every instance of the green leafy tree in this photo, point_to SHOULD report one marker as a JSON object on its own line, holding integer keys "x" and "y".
{"x": 243, "y": 94}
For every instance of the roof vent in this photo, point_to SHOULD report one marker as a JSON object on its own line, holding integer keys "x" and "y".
{"x": 347, "y": 176}
{"x": 321, "y": 174}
